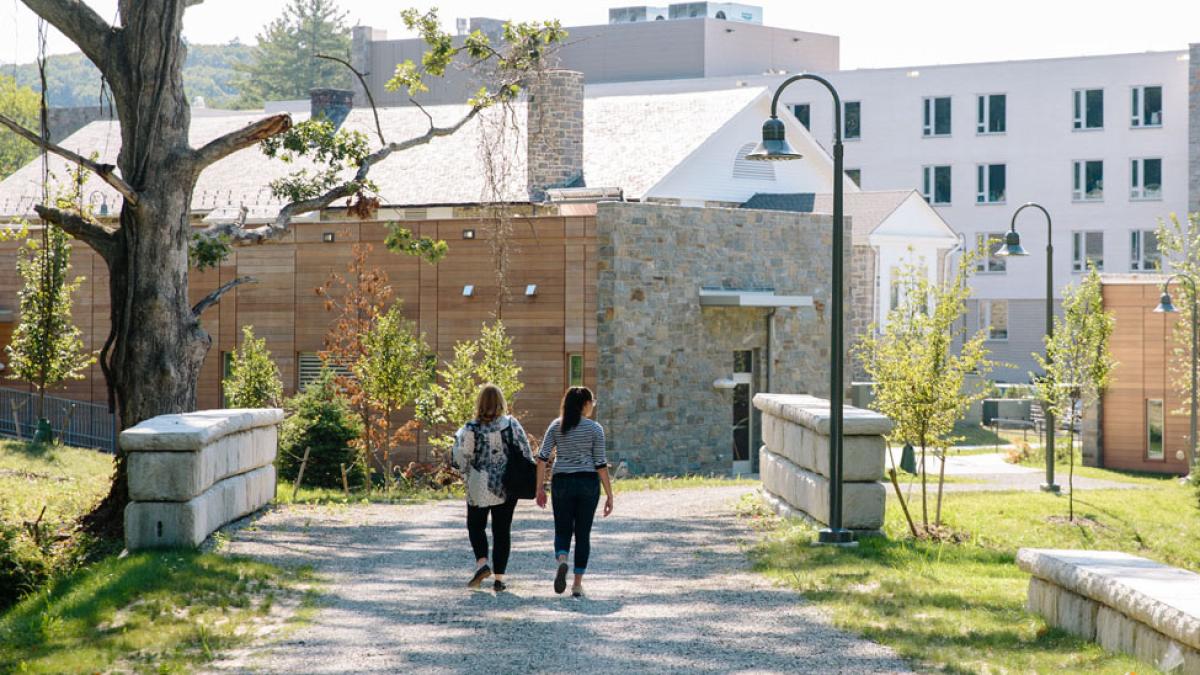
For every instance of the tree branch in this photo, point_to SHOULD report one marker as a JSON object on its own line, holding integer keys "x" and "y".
{"x": 91, "y": 233}
{"x": 106, "y": 172}
{"x": 214, "y": 297}
{"x": 245, "y": 137}
{"x": 370, "y": 99}
{"x": 81, "y": 24}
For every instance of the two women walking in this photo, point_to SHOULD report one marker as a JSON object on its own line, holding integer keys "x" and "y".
{"x": 572, "y": 453}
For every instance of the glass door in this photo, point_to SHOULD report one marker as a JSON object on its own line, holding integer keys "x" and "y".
{"x": 743, "y": 418}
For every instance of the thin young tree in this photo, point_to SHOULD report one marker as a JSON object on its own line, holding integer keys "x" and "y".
{"x": 253, "y": 380}
{"x": 152, "y": 356}
{"x": 1077, "y": 365}
{"x": 920, "y": 374}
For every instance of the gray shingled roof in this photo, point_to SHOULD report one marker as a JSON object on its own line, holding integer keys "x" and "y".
{"x": 867, "y": 210}
{"x": 630, "y": 142}
{"x": 801, "y": 202}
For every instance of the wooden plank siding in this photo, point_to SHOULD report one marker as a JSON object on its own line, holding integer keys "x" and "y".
{"x": 1142, "y": 344}
{"x": 556, "y": 253}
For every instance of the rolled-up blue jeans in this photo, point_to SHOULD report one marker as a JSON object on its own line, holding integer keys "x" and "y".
{"x": 574, "y": 497}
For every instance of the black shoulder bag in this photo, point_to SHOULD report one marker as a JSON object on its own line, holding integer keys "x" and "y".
{"x": 520, "y": 474}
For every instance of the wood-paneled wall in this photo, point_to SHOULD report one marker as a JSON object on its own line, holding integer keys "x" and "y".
{"x": 1142, "y": 343}
{"x": 556, "y": 253}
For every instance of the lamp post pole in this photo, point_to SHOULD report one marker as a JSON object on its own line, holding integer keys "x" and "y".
{"x": 774, "y": 147}
{"x": 1166, "y": 305}
{"x": 1012, "y": 247}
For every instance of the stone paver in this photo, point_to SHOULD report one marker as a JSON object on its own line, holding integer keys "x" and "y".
{"x": 669, "y": 591}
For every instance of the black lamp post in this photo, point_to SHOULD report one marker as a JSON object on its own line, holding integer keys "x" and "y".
{"x": 1012, "y": 247}
{"x": 774, "y": 146}
{"x": 1166, "y": 306}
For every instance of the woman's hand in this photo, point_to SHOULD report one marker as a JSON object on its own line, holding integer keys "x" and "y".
{"x": 608, "y": 505}
{"x": 541, "y": 496}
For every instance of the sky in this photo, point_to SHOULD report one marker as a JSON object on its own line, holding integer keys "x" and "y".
{"x": 874, "y": 33}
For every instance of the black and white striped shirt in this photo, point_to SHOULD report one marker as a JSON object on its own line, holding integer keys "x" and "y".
{"x": 580, "y": 449}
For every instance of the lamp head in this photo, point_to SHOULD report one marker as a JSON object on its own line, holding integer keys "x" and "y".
{"x": 1165, "y": 305}
{"x": 774, "y": 145}
{"x": 1012, "y": 245}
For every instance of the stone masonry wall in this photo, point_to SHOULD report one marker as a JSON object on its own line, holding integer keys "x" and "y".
{"x": 1194, "y": 129}
{"x": 555, "y": 144}
{"x": 861, "y": 301}
{"x": 659, "y": 352}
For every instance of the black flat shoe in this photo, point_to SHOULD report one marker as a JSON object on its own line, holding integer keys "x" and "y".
{"x": 499, "y": 586}
{"x": 560, "y": 579}
{"x": 480, "y": 574}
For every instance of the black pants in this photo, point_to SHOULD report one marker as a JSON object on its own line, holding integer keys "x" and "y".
{"x": 502, "y": 516}
{"x": 575, "y": 496}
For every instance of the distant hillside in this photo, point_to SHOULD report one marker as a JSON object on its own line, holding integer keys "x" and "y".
{"x": 73, "y": 81}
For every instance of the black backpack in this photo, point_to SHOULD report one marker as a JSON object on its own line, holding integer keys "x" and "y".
{"x": 520, "y": 474}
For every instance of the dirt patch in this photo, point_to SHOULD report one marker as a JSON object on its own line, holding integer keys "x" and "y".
{"x": 1080, "y": 521}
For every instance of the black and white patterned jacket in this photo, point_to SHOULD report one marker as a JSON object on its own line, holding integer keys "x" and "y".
{"x": 479, "y": 453}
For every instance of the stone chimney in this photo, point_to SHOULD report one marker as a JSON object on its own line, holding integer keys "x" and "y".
{"x": 334, "y": 104}
{"x": 1194, "y": 128}
{"x": 554, "y": 148}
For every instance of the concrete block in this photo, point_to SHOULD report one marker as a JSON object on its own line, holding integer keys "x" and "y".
{"x": 192, "y": 431}
{"x": 173, "y": 524}
{"x": 178, "y": 476}
{"x": 813, "y": 413}
{"x": 1114, "y": 631}
{"x": 862, "y": 503}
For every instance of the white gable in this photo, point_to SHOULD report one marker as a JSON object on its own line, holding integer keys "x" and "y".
{"x": 914, "y": 220}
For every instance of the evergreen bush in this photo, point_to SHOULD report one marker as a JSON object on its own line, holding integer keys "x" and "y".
{"x": 320, "y": 418}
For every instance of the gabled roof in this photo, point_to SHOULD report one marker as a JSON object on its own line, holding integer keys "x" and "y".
{"x": 630, "y": 142}
{"x": 800, "y": 202}
{"x": 873, "y": 214}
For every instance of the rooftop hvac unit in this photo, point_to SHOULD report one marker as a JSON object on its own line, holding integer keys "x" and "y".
{"x": 463, "y": 26}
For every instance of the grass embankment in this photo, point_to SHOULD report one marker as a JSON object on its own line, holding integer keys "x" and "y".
{"x": 85, "y": 609}
{"x": 960, "y": 607}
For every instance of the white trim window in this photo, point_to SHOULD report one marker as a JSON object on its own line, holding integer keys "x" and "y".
{"x": 991, "y": 116}
{"x": 803, "y": 113}
{"x": 987, "y": 245}
{"x": 1087, "y": 248}
{"x": 1143, "y": 251}
{"x": 935, "y": 184}
{"x": 1087, "y": 180}
{"x": 1146, "y": 106}
{"x": 852, "y": 120}
{"x": 1088, "y": 108}
{"x": 990, "y": 183}
{"x": 935, "y": 116}
{"x": 1145, "y": 178}
{"x": 993, "y": 318}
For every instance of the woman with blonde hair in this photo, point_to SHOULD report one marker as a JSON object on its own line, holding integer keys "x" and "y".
{"x": 482, "y": 450}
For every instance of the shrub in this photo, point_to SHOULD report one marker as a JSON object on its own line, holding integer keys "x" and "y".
{"x": 321, "y": 420}
{"x": 253, "y": 380}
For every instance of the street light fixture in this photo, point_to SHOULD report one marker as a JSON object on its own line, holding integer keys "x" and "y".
{"x": 1012, "y": 247}
{"x": 774, "y": 147}
{"x": 1166, "y": 306}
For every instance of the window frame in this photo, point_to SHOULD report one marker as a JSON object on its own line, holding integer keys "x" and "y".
{"x": 1079, "y": 254}
{"x": 1079, "y": 109}
{"x": 845, "y": 116}
{"x": 1162, "y": 430}
{"x": 1137, "y": 251}
{"x": 1079, "y": 177}
{"x": 983, "y": 114}
{"x": 985, "y": 319}
{"x": 983, "y": 183}
{"x": 987, "y": 259}
{"x": 1137, "y": 104}
{"x": 856, "y": 178}
{"x": 930, "y": 118}
{"x": 1137, "y": 180}
{"x": 929, "y": 184}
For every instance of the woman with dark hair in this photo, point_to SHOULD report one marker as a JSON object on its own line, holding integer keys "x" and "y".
{"x": 480, "y": 451}
{"x": 580, "y": 468}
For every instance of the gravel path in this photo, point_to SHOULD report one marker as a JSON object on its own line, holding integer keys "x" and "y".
{"x": 669, "y": 591}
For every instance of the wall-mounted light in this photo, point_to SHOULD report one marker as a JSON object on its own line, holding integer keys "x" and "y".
{"x": 468, "y": 234}
{"x": 913, "y": 73}
{"x": 724, "y": 383}
{"x": 104, "y": 207}
{"x": 327, "y": 237}
{"x": 530, "y": 290}
{"x": 468, "y": 290}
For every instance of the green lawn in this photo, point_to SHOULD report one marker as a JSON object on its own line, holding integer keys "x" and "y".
{"x": 960, "y": 607}
{"x": 66, "y": 481}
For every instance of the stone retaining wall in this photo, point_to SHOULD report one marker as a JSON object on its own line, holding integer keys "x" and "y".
{"x": 794, "y": 459}
{"x": 191, "y": 473}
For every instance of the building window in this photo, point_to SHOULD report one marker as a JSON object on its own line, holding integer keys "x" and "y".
{"x": 1088, "y": 107}
{"x": 991, "y": 117}
{"x": 575, "y": 370}
{"x": 1154, "y": 428}
{"x": 990, "y": 183}
{"x": 988, "y": 245}
{"x": 1145, "y": 178}
{"x": 935, "y": 184}
{"x": 1087, "y": 248}
{"x": 1147, "y": 106}
{"x": 1087, "y": 180}
{"x": 936, "y": 116}
{"x": 852, "y": 120}
{"x": 802, "y": 112}
{"x": 855, "y": 175}
{"x": 993, "y": 318}
{"x": 1143, "y": 251}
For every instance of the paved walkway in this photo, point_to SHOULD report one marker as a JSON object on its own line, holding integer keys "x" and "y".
{"x": 989, "y": 472}
{"x": 670, "y": 592}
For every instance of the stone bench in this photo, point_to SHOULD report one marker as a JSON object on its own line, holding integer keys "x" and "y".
{"x": 794, "y": 460}
{"x": 1122, "y": 602}
{"x": 191, "y": 473}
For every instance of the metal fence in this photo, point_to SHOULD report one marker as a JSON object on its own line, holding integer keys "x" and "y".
{"x": 77, "y": 423}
